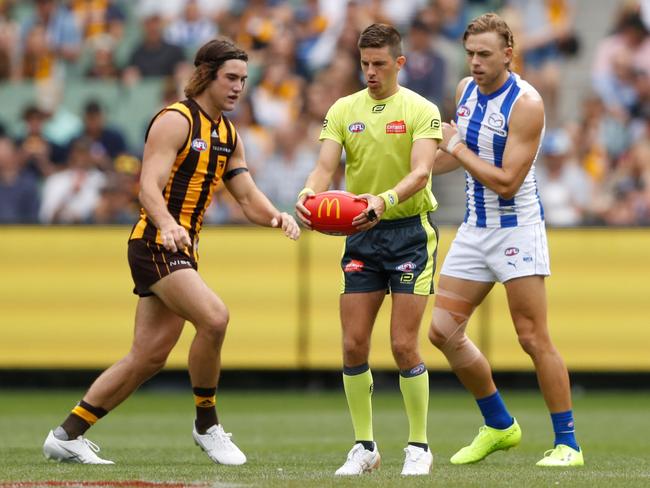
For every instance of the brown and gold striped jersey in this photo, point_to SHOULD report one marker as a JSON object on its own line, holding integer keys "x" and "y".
{"x": 196, "y": 172}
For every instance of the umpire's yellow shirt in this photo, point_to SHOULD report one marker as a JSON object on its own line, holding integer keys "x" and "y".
{"x": 377, "y": 136}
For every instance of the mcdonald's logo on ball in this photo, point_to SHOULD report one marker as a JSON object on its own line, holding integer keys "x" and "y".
{"x": 332, "y": 212}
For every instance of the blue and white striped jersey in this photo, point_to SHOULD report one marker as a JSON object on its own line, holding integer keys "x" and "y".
{"x": 483, "y": 125}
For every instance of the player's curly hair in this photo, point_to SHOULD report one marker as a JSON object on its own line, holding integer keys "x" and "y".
{"x": 209, "y": 58}
{"x": 380, "y": 35}
{"x": 490, "y": 22}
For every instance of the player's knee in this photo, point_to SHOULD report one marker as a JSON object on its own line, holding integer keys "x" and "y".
{"x": 403, "y": 351}
{"x": 436, "y": 335}
{"x": 534, "y": 344}
{"x": 355, "y": 349}
{"x": 215, "y": 324}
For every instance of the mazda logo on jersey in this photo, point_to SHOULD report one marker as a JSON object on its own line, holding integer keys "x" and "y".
{"x": 496, "y": 120}
{"x": 356, "y": 127}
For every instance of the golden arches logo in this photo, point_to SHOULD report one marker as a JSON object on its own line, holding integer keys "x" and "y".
{"x": 328, "y": 207}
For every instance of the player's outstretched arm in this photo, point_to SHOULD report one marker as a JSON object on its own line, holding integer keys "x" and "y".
{"x": 256, "y": 206}
{"x": 320, "y": 178}
{"x": 525, "y": 130}
{"x": 167, "y": 135}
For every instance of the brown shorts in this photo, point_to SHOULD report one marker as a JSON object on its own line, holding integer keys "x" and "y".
{"x": 150, "y": 261}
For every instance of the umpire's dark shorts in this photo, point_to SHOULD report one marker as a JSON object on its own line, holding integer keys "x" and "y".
{"x": 395, "y": 255}
{"x": 150, "y": 261}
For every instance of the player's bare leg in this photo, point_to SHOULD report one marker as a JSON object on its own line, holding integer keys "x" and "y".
{"x": 186, "y": 293}
{"x": 157, "y": 330}
{"x": 358, "y": 314}
{"x": 406, "y": 316}
{"x": 455, "y": 303}
{"x": 527, "y": 302}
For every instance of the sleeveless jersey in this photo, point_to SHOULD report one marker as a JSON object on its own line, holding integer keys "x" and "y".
{"x": 377, "y": 136}
{"x": 483, "y": 123}
{"x": 196, "y": 172}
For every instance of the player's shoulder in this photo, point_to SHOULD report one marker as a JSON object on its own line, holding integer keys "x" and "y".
{"x": 530, "y": 99}
{"x": 349, "y": 100}
{"x": 462, "y": 86}
{"x": 415, "y": 100}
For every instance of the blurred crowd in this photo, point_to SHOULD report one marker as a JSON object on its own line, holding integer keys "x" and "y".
{"x": 58, "y": 166}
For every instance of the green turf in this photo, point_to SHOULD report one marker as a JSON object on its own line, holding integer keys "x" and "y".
{"x": 299, "y": 439}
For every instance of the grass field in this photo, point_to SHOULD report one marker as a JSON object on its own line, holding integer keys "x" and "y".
{"x": 299, "y": 439}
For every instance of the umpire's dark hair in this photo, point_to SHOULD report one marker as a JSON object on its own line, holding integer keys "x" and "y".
{"x": 380, "y": 35}
{"x": 209, "y": 58}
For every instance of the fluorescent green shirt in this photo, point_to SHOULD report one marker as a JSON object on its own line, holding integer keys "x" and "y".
{"x": 377, "y": 136}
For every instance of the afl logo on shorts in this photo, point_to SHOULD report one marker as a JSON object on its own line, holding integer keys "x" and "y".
{"x": 511, "y": 251}
{"x": 463, "y": 111}
{"x": 356, "y": 127}
{"x": 199, "y": 145}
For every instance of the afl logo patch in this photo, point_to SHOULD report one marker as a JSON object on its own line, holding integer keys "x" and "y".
{"x": 356, "y": 127}
{"x": 463, "y": 111}
{"x": 199, "y": 145}
{"x": 511, "y": 251}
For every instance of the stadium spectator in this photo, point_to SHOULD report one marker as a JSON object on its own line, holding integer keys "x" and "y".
{"x": 153, "y": 57}
{"x": 60, "y": 29}
{"x": 42, "y": 156}
{"x": 99, "y": 18}
{"x": 107, "y": 143}
{"x": 9, "y": 41}
{"x": 103, "y": 65}
{"x": 117, "y": 203}
{"x": 285, "y": 171}
{"x": 624, "y": 198}
{"x": 70, "y": 196}
{"x": 564, "y": 186}
{"x": 277, "y": 100}
{"x": 425, "y": 71}
{"x": 616, "y": 60}
{"x": 191, "y": 29}
{"x": 19, "y": 189}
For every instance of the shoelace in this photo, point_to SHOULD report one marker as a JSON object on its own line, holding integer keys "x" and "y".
{"x": 224, "y": 437}
{"x": 353, "y": 451}
{"x": 93, "y": 447}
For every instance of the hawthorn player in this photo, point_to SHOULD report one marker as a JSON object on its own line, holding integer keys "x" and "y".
{"x": 190, "y": 148}
{"x": 390, "y": 137}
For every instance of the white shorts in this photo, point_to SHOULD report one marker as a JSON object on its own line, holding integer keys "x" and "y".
{"x": 497, "y": 254}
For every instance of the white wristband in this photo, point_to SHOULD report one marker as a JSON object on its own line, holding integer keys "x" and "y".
{"x": 453, "y": 142}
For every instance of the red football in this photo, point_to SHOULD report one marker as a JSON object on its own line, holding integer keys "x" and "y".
{"x": 332, "y": 212}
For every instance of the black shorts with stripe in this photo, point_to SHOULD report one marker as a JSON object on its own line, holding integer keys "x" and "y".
{"x": 150, "y": 262}
{"x": 396, "y": 255}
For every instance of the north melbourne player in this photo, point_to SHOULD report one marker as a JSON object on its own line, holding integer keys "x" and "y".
{"x": 496, "y": 139}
